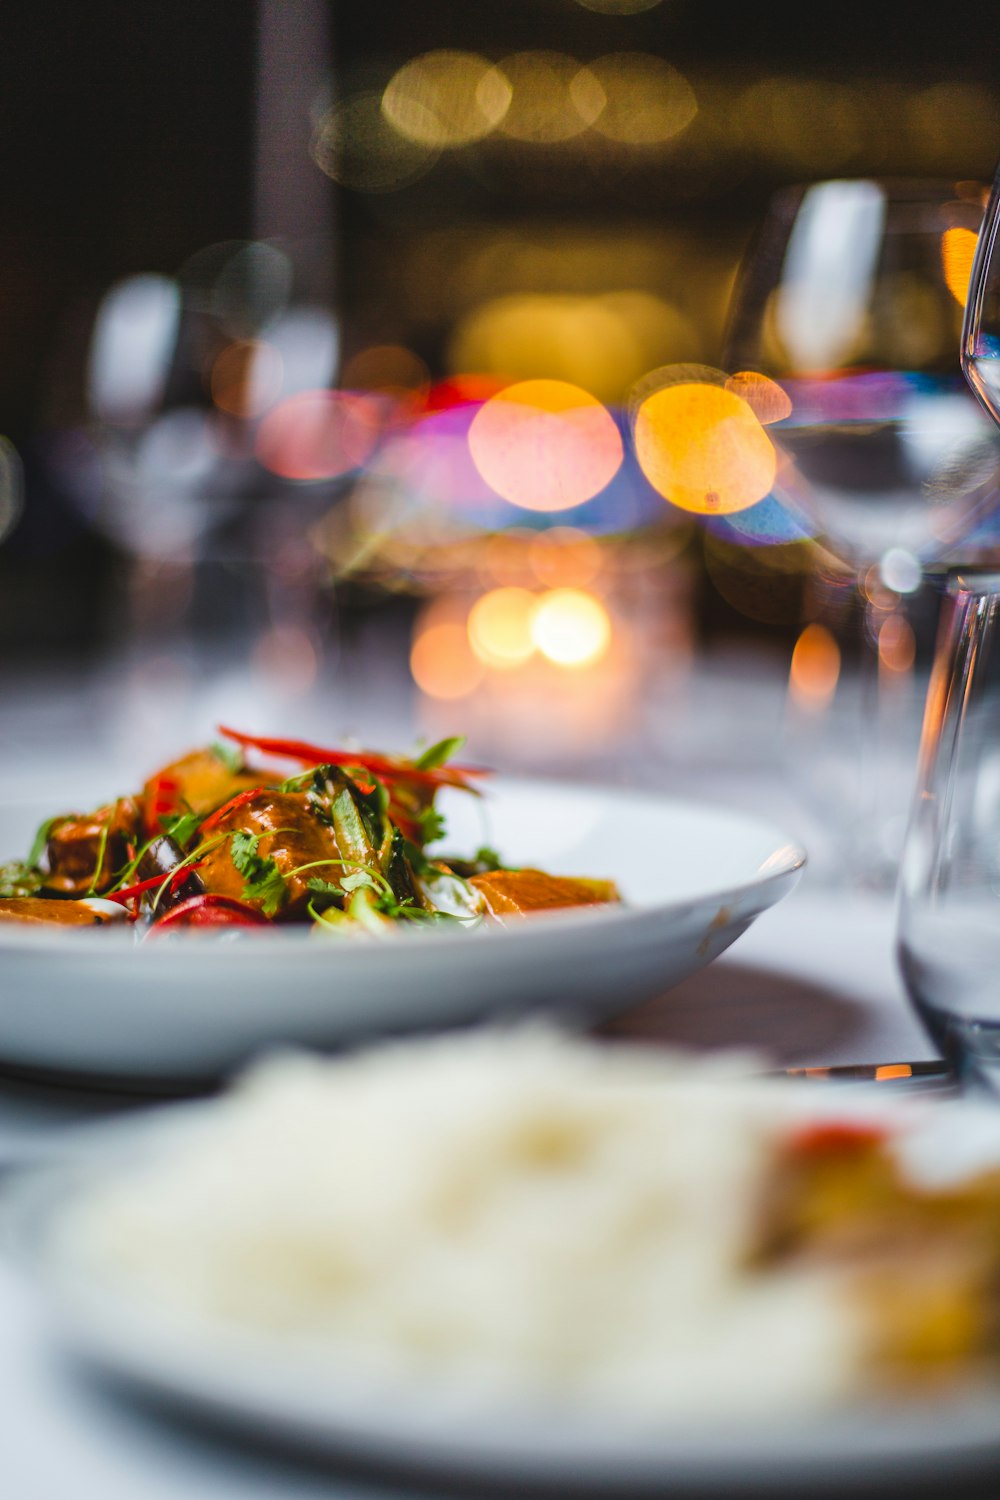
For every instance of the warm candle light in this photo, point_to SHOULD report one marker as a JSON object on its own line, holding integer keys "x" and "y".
{"x": 815, "y": 668}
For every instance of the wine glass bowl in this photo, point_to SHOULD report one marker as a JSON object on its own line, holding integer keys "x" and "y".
{"x": 949, "y": 896}
{"x": 851, "y": 298}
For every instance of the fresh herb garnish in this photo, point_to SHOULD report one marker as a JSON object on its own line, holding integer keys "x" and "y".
{"x": 102, "y": 847}
{"x": 436, "y": 755}
{"x": 19, "y": 879}
{"x": 181, "y": 827}
{"x": 41, "y": 839}
{"x": 431, "y": 824}
{"x": 262, "y": 880}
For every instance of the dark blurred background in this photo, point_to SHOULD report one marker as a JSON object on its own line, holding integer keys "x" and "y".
{"x": 585, "y": 227}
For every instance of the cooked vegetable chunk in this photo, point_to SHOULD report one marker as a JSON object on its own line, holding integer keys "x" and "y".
{"x": 268, "y": 849}
{"x": 40, "y": 910}
{"x": 82, "y": 853}
{"x": 514, "y": 892}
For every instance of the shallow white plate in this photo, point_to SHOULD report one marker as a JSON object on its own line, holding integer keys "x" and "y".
{"x": 693, "y": 878}
{"x": 266, "y": 1388}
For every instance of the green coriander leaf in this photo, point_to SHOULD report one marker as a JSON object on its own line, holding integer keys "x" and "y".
{"x": 432, "y": 825}
{"x": 436, "y": 755}
{"x": 357, "y": 880}
{"x": 262, "y": 880}
{"x": 181, "y": 827}
{"x": 266, "y": 885}
{"x": 488, "y": 858}
{"x": 243, "y": 850}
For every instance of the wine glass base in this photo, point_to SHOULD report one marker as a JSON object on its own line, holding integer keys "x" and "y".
{"x": 969, "y": 1046}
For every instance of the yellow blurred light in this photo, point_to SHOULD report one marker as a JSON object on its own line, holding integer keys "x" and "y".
{"x": 897, "y": 647}
{"x": 646, "y": 100}
{"x": 701, "y": 446}
{"x": 570, "y": 627}
{"x": 545, "y": 444}
{"x": 768, "y": 401}
{"x": 446, "y": 98}
{"x": 500, "y": 627}
{"x": 544, "y": 108}
{"x": 958, "y": 247}
{"x": 583, "y": 340}
{"x": 885, "y": 1071}
{"x": 245, "y": 378}
{"x": 359, "y": 148}
{"x": 815, "y": 668}
{"x": 564, "y": 556}
{"x": 317, "y": 435}
{"x": 441, "y": 662}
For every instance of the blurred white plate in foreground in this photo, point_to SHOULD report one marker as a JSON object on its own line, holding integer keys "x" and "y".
{"x": 279, "y": 1389}
{"x": 693, "y": 878}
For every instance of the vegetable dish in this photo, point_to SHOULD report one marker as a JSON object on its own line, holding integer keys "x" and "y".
{"x": 221, "y": 838}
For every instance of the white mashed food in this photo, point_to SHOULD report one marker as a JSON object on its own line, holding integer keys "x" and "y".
{"x": 542, "y": 1217}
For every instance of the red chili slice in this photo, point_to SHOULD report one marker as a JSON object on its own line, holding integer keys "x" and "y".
{"x": 227, "y": 807}
{"x": 211, "y": 910}
{"x": 379, "y": 765}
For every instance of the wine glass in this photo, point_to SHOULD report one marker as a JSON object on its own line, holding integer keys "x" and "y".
{"x": 949, "y": 896}
{"x": 851, "y": 299}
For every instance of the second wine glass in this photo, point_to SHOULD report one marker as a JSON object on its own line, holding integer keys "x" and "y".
{"x": 852, "y": 299}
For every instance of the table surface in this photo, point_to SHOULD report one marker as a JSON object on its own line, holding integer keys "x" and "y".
{"x": 812, "y": 983}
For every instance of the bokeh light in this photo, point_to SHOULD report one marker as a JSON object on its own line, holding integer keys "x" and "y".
{"x": 446, "y": 98}
{"x": 317, "y": 435}
{"x": 564, "y": 555}
{"x": 570, "y": 627}
{"x": 133, "y": 342}
{"x": 701, "y": 445}
{"x": 442, "y": 661}
{"x": 815, "y": 668}
{"x": 545, "y": 444}
{"x": 246, "y": 377}
{"x": 646, "y": 101}
{"x": 958, "y": 247}
{"x": 500, "y": 627}
{"x": 768, "y": 401}
{"x": 897, "y": 647}
{"x": 358, "y": 146}
{"x": 545, "y": 108}
{"x": 388, "y": 368}
{"x": 576, "y": 339}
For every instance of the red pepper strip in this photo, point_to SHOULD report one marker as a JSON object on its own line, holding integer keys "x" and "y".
{"x": 833, "y": 1137}
{"x": 227, "y": 807}
{"x": 174, "y": 876}
{"x": 379, "y": 765}
{"x": 210, "y": 910}
{"x": 125, "y": 895}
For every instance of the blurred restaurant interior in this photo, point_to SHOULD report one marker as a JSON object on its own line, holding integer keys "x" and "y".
{"x": 269, "y": 269}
